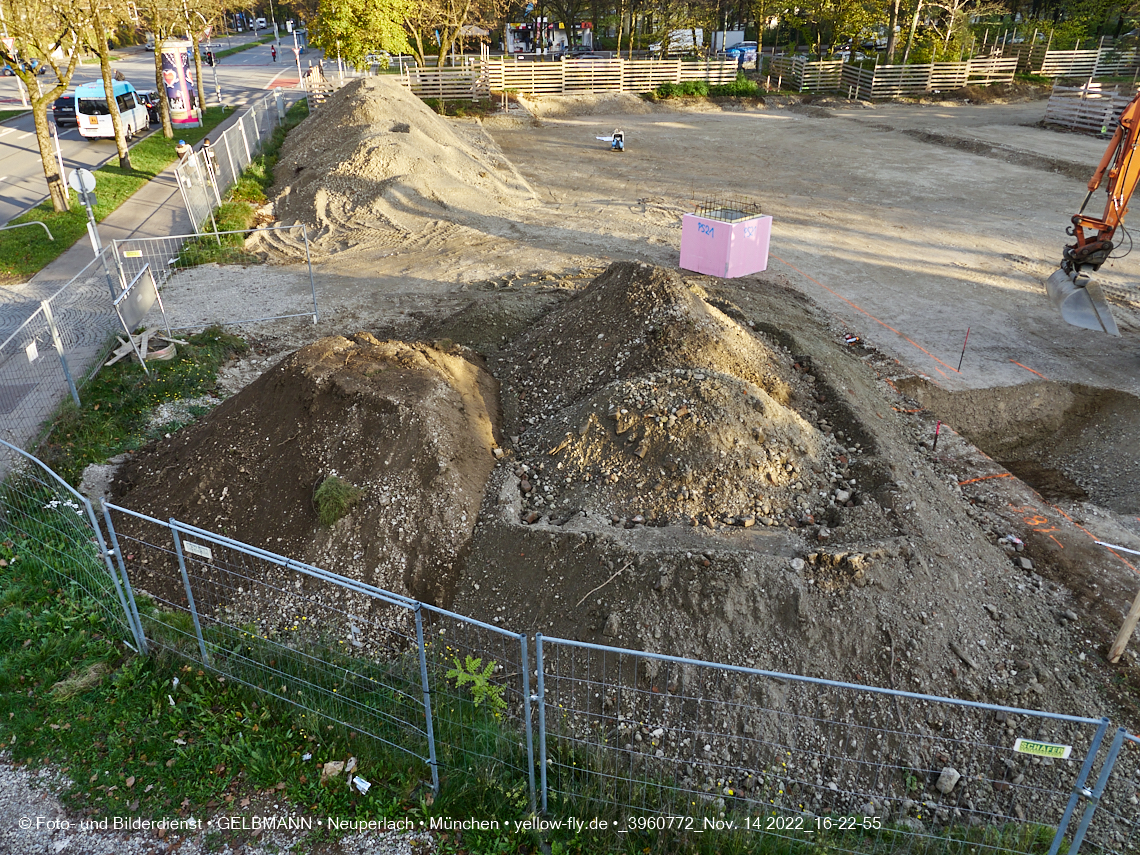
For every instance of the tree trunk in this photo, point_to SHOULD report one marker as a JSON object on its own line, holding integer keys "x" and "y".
{"x": 57, "y": 189}
{"x": 109, "y": 88}
{"x": 892, "y": 37}
{"x": 163, "y": 103}
{"x": 913, "y": 27}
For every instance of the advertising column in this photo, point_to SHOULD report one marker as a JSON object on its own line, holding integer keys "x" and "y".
{"x": 178, "y": 78}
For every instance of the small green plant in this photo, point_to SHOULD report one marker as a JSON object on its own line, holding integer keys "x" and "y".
{"x": 911, "y": 784}
{"x": 479, "y": 676}
{"x": 334, "y": 497}
{"x": 698, "y": 88}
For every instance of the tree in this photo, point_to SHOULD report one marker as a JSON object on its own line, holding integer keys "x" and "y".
{"x": 359, "y": 27}
{"x": 51, "y": 33}
{"x": 165, "y": 21}
{"x": 104, "y": 18}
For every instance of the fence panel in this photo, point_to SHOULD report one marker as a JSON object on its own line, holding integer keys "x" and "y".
{"x": 468, "y": 726}
{"x": 1069, "y": 63}
{"x": 197, "y": 281}
{"x": 597, "y": 75}
{"x": 342, "y": 651}
{"x": 205, "y": 177}
{"x": 1115, "y": 826}
{"x": 1092, "y": 107}
{"x": 51, "y": 525}
{"x": 671, "y": 736}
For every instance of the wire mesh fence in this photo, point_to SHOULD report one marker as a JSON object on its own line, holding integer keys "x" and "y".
{"x": 1115, "y": 827}
{"x": 198, "y": 275}
{"x": 205, "y": 176}
{"x": 47, "y": 358}
{"x": 654, "y": 741}
{"x": 48, "y": 523}
{"x": 858, "y": 769}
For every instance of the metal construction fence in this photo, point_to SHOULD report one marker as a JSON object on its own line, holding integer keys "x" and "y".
{"x": 206, "y": 175}
{"x": 60, "y": 344}
{"x": 673, "y": 742}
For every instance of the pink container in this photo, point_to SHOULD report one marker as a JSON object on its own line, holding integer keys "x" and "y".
{"x": 725, "y": 249}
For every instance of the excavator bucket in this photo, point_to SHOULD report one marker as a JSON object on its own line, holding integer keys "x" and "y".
{"x": 1081, "y": 302}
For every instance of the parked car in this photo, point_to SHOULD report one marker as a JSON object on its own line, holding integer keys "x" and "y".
{"x": 153, "y": 111}
{"x": 28, "y": 65}
{"x": 742, "y": 52}
{"x": 63, "y": 111}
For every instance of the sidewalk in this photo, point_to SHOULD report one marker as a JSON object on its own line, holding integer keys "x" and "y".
{"x": 156, "y": 210}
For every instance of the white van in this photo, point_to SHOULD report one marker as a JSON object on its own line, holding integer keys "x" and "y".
{"x": 94, "y": 116}
{"x": 261, "y": 25}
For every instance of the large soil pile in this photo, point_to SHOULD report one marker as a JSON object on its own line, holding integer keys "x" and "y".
{"x": 410, "y": 426}
{"x": 376, "y": 167}
{"x": 639, "y": 400}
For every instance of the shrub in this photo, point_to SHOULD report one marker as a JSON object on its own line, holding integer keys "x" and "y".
{"x": 334, "y": 497}
{"x": 689, "y": 87}
{"x": 742, "y": 87}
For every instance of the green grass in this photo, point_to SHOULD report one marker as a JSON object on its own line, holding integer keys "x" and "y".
{"x": 334, "y": 498}
{"x": 118, "y": 400}
{"x": 264, "y": 40}
{"x": 5, "y": 115}
{"x": 24, "y": 252}
{"x": 742, "y": 87}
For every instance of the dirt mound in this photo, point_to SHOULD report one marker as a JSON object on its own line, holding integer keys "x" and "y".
{"x": 377, "y": 167}
{"x": 588, "y": 104}
{"x": 638, "y": 382}
{"x": 996, "y": 93}
{"x": 410, "y": 426}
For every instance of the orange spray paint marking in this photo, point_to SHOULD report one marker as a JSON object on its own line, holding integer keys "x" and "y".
{"x": 984, "y": 478}
{"x": 859, "y": 308}
{"x": 1027, "y": 368}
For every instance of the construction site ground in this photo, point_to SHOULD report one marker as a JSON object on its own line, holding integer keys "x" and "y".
{"x": 795, "y": 513}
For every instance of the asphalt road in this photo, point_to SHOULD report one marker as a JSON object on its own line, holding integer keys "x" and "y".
{"x": 241, "y": 78}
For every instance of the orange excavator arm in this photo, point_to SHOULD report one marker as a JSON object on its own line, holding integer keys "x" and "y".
{"x": 1081, "y": 300}
{"x": 1122, "y": 168}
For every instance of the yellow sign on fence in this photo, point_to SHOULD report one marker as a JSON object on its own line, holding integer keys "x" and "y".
{"x": 1043, "y": 749}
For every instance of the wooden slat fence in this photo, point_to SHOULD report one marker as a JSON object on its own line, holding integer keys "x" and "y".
{"x": 1091, "y": 107}
{"x": 886, "y": 81}
{"x": 1100, "y": 62}
{"x": 570, "y": 76}
{"x": 449, "y": 84}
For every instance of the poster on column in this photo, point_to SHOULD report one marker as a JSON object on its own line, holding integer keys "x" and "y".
{"x": 178, "y": 78}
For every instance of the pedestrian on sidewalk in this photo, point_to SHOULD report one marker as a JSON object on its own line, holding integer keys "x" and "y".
{"x": 183, "y": 150}
{"x": 211, "y": 158}
{"x": 273, "y": 52}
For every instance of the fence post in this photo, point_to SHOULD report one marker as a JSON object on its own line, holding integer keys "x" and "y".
{"x": 540, "y": 691}
{"x": 1078, "y": 787}
{"x": 1097, "y": 791}
{"x": 309, "y": 261}
{"x": 245, "y": 142}
{"x": 429, "y": 729}
{"x": 58, "y": 342}
{"x": 189, "y": 593}
{"x": 132, "y": 610}
{"x": 527, "y": 698}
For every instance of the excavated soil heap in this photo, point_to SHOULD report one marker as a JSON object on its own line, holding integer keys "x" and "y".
{"x": 639, "y": 399}
{"x": 376, "y": 167}
{"x": 410, "y": 426}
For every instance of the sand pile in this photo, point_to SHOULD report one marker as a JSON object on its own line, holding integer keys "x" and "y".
{"x": 377, "y": 167}
{"x": 641, "y": 402}
{"x": 410, "y": 426}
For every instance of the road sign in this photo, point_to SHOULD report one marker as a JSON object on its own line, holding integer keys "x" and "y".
{"x": 81, "y": 181}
